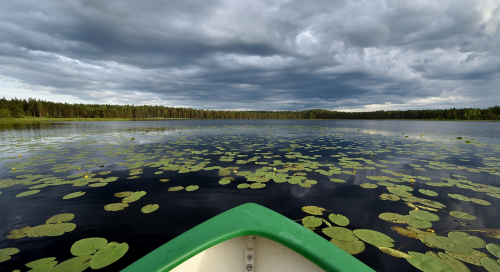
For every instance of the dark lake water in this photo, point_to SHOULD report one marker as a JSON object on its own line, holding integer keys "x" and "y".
{"x": 296, "y": 163}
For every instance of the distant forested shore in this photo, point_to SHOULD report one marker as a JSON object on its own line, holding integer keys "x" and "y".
{"x": 33, "y": 108}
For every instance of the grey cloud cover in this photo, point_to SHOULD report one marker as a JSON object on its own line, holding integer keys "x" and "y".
{"x": 254, "y": 55}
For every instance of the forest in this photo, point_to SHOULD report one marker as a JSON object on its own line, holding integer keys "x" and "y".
{"x": 17, "y": 108}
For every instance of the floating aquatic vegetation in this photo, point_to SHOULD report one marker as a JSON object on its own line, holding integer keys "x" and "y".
{"x": 150, "y": 208}
{"x": 375, "y": 238}
{"x": 44, "y": 264}
{"x": 74, "y": 264}
{"x": 459, "y": 197}
{"x": 74, "y": 195}
{"x": 368, "y": 185}
{"x": 192, "y": 188}
{"x": 115, "y": 207}
{"x": 313, "y": 210}
{"x": 490, "y": 264}
{"x": 339, "y": 219}
{"x": 27, "y": 193}
{"x": 6, "y": 253}
{"x": 133, "y": 197}
{"x": 394, "y": 218}
{"x": 175, "y": 188}
{"x": 428, "y": 192}
{"x": 257, "y": 185}
{"x": 393, "y": 252}
{"x": 59, "y": 218}
{"x": 446, "y": 243}
{"x": 493, "y": 249}
{"x": 464, "y": 239}
{"x": 340, "y": 233}
{"x": 311, "y": 222}
{"x": 473, "y": 257}
{"x": 353, "y": 247}
{"x": 243, "y": 186}
{"x": 427, "y": 263}
{"x": 424, "y": 215}
{"x": 108, "y": 255}
{"x": 88, "y": 246}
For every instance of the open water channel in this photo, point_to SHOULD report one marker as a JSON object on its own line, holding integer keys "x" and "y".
{"x": 145, "y": 182}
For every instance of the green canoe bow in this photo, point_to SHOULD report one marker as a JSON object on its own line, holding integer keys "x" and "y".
{"x": 248, "y": 219}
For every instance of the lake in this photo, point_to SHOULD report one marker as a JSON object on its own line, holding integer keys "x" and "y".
{"x": 408, "y": 180}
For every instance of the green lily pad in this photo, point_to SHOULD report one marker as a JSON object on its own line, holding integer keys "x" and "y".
{"x": 428, "y": 192}
{"x": 175, "y": 188}
{"x": 337, "y": 180}
{"x": 257, "y": 185}
{"x": 73, "y": 195}
{"x": 311, "y": 221}
{"x": 455, "y": 264}
{"x": 50, "y": 229}
{"x": 493, "y": 249}
{"x": 419, "y": 224}
{"x": 76, "y": 264}
{"x": 394, "y": 218}
{"x": 490, "y": 264}
{"x": 427, "y": 263}
{"x": 123, "y": 194}
{"x": 446, "y": 244}
{"x": 473, "y": 257}
{"x": 464, "y": 239}
{"x": 431, "y": 203}
{"x": 27, "y": 193}
{"x": 59, "y": 218}
{"x": 339, "y": 219}
{"x": 313, "y": 210}
{"x": 108, "y": 255}
{"x": 405, "y": 232}
{"x": 368, "y": 185}
{"x": 150, "y": 208}
{"x": 42, "y": 262}
{"x": 373, "y": 237}
{"x": 340, "y": 233}
{"x": 6, "y": 253}
{"x": 88, "y": 246}
{"x": 480, "y": 201}
{"x": 393, "y": 252}
{"x": 390, "y": 197}
{"x": 462, "y": 215}
{"x": 353, "y": 248}
{"x": 459, "y": 197}
{"x": 243, "y": 186}
{"x": 191, "y": 188}
{"x": 113, "y": 207}
{"x": 133, "y": 197}
{"x": 423, "y": 215}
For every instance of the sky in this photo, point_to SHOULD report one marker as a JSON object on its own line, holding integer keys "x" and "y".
{"x": 253, "y": 55}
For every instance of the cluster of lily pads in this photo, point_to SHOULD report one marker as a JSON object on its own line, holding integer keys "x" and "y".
{"x": 321, "y": 156}
{"x": 95, "y": 253}
{"x": 54, "y": 226}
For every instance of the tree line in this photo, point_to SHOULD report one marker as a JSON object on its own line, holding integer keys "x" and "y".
{"x": 17, "y": 108}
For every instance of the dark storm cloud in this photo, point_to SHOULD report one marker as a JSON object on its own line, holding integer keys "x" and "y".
{"x": 264, "y": 55}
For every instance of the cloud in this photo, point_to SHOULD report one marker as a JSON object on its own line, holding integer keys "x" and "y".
{"x": 255, "y": 55}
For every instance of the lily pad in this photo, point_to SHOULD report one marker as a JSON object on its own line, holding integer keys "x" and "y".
{"x": 150, "y": 208}
{"x": 313, "y": 210}
{"x": 462, "y": 215}
{"x": 337, "y": 180}
{"x": 175, "y": 188}
{"x": 427, "y": 263}
{"x": 455, "y": 264}
{"x": 123, "y": 194}
{"x": 393, "y": 252}
{"x": 76, "y": 264}
{"x": 459, "y": 197}
{"x": 6, "y": 253}
{"x": 73, "y": 195}
{"x": 464, "y": 239}
{"x": 419, "y": 224}
{"x": 108, "y": 255}
{"x": 50, "y": 229}
{"x": 368, "y": 185}
{"x": 59, "y": 218}
{"x": 428, "y": 192}
{"x": 88, "y": 246}
{"x": 473, "y": 257}
{"x": 243, "y": 186}
{"x": 257, "y": 185}
{"x": 446, "y": 244}
{"x": 373, "y": 237}
{"x": 490, "y": 264}
{"x": 339, "y": 219}
{"x": 42, "y": 262}
{"x": 353, "y": 248}
{"x": 480, "y": 201}
{"x": 134, "y": 197}
{"x": 311, "y": 221}
{"x": 405, "y": 232}
{"x": 340, "y": 233}
{"x": 493, "y": 249}
{"x": 192, "y": 188}
{"x": 394, "y": 218}
{"x": 27, "y": 193}
{"x": 423, "y": 215}
{"x": 115, "y": 207}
